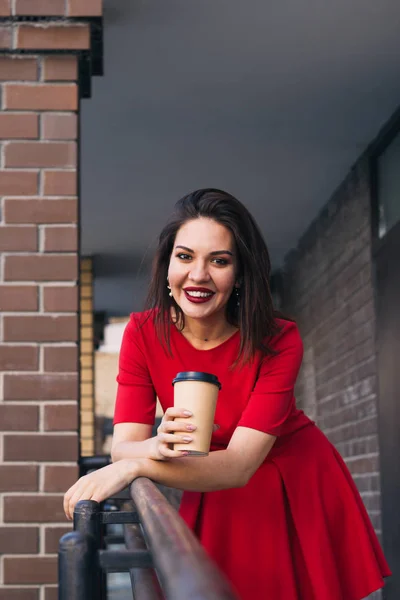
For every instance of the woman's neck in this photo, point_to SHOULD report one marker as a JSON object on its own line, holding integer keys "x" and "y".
{"x": 206, "y": 333}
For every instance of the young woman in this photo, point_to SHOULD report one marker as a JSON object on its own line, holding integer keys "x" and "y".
{"x": 273, "y": 503}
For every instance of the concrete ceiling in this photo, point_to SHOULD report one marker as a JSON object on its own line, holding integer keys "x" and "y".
{"x": 272, "y": 101}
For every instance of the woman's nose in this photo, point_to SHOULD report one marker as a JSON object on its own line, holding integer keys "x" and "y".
{"x": 199, "y": 272}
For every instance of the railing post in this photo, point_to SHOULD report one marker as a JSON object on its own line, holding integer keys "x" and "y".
{"x": 145, "y": 585}
{"x": 77, "y": 558}
{"x": 87, "y": 522}
{"x": 86, "y": 518}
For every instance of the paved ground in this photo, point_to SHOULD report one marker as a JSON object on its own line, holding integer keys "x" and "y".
{"x": 119, "y": 587}
{"x": 118, "y": 584}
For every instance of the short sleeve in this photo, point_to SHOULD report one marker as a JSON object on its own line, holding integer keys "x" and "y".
{"x": 272, "y": 399}
{"x": 136, "y": 398}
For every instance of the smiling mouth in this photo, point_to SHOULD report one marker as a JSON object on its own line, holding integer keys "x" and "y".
{"x": 198, "y": 295}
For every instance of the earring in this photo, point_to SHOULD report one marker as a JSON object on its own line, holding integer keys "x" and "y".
{"x": 237, "y": 296}
{"x": 169, "y": 287}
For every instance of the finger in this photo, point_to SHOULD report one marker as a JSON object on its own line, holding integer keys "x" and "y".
{"x": 173, "y": 426}
{"x": 66, "y": 504}
{"x": 168, "y": 453}
{"x": 173, "y": 412}
{"x": 81, "y": 494}
{"x": 73, "y": 499}
{"x": 67, "y": 497}
{"x": 168, "y": 438}
{"x": 85, "y": 496}
{"x": 82, "y": 481}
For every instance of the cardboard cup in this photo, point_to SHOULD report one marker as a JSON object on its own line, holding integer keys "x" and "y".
{"x": 198, "y": 392}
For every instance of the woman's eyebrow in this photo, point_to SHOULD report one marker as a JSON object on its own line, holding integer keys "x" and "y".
{"x": 221, "y": 252}
{"x": 211, "y": 253}
{"x": 185, "y": 248}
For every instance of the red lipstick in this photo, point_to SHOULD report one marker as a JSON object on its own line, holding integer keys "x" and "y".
{"x": 198, "y": 295}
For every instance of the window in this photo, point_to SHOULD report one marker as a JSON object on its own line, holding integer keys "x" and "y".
{"x": 389, "y": 186}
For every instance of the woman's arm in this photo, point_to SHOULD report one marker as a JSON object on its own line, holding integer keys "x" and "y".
{"x": 131, "y": 440}
{"x": 219, "y": 470}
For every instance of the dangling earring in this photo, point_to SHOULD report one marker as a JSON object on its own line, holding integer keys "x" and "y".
{"x": 237, "y": 296}
{"x": 169, "y": 287}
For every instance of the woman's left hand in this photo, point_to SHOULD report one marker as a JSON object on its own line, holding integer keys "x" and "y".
{"x": 100, "y": 484}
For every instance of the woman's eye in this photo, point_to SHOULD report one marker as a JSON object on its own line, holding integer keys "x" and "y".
{"x": 220, "y": 261}
{"x": 183, "y": 256}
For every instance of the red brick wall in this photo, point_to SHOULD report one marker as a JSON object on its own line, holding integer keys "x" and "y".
{"x": 329, "y": 290}
{"x": 38, "y": 287}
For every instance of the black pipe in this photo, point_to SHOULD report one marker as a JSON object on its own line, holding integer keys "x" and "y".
{"x": 145, "y": 585}
{"x": 89, "y": 463}
{"x": 87, "y": 518}
{"x": 87, "y": 521}
{"x": 77, "y": 558}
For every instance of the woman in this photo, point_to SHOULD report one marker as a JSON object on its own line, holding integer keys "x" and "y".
{"x": 273, "y": 503}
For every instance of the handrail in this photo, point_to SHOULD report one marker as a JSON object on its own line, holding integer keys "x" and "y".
{"x": 165, "y": 559}
{"x": 182, "y": 565}
{"x": 89, "y": 463}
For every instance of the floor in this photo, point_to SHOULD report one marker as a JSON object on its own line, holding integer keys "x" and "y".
{"x": 118, "y": 584}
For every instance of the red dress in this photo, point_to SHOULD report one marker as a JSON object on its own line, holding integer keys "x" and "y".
{"x": 298, "y": 530}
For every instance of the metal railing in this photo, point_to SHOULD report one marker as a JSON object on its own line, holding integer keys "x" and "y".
{"x": 164, "y": 558}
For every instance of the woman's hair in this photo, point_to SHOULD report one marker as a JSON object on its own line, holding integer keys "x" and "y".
{"x": 254, "y": 315}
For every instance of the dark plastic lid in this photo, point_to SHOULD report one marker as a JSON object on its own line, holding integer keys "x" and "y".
{"x": 197, "y": 376}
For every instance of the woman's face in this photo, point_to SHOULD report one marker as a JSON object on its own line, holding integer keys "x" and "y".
{"x": 202, "y": 268}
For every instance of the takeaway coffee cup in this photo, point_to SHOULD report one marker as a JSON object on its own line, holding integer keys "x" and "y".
{"x": 197, "y": 392}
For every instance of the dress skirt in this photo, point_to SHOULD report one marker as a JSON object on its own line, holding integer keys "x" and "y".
{"x": 297, "y": 531}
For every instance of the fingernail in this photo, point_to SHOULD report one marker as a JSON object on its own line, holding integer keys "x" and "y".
{"x": 190, "y": 427}
{"x": 187, "y": 413}
{"x": 187, "y": 438}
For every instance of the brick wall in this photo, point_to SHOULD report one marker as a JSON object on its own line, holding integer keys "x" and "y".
{"x": 39, "y": 444}
{"x": 328, "y": 289}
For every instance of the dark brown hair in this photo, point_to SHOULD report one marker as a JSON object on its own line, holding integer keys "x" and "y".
{"x": 255, "y": 315}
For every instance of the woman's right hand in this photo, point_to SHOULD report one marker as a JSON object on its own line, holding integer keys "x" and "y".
{"x": 172, "y": 432}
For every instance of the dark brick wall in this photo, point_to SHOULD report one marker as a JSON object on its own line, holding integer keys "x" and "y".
{"x": 328, "y": 289}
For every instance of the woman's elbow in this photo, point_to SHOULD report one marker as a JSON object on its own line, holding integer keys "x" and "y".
{"x": 246, "y": 474}
{"x": 239, "y": 473}
{"x": 241, "y": 478}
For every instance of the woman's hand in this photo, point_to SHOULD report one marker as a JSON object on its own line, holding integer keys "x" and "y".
{"x": 100, "y": 484}
{"x": 173, "y": 432}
